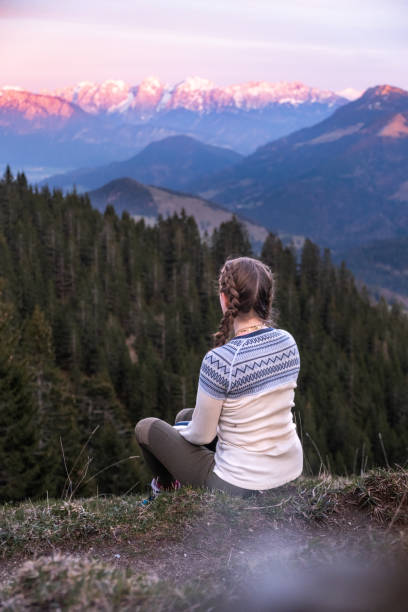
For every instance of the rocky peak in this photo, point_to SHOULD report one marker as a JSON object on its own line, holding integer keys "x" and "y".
{"x": 193, "y": 93}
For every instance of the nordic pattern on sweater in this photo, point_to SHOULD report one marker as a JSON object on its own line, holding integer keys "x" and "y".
{"x": 250, "y": 365}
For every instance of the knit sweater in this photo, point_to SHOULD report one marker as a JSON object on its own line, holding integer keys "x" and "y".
{"x": 245, "y": 395}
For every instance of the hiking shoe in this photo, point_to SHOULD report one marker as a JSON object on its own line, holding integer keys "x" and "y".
{"x": 146, "y": 501}
{"x": 157, "y": 488}
{"x": 155, "y": 491}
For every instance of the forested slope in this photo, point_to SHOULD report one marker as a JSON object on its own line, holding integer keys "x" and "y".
{"x": 104, "y": 321}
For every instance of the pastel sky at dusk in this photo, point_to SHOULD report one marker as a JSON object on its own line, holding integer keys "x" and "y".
{"x": 327, "y": 44}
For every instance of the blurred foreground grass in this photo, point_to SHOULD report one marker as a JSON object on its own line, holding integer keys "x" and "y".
{"x": 56, "y": 547}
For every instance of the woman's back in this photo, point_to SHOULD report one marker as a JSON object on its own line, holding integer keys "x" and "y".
{"x": 255, "y": 375}
{"x": 244, "y": 398}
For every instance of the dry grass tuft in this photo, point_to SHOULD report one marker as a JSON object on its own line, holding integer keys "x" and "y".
{"x": 37, "y": 527}
{"x": 384, "y": 493}
{"x": 68, "y": 582}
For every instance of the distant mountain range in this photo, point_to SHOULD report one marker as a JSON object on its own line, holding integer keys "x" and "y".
{"x": 174, "y": 162}
{"x": 342, "y": 182}
{"x": 98, "y": 123}
{"x": 139, "y": 102}
{"x": 139, "y": 200}
{"x": 44, "y": 130}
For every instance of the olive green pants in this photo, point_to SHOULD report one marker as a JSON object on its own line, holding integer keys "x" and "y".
{"x": 170, "y": 457}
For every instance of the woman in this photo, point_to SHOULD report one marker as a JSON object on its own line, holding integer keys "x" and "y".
{"x": 245, "y": 396}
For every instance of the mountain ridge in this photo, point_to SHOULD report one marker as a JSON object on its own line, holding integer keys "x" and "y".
{"x": 172, "y": 162}
{"x": 348, "y": 171}
{"x": 148, "y": 202}
{"x": 193, "y": 93}
{"x": 119, "y": 119}
{"x": 30, "y": 106}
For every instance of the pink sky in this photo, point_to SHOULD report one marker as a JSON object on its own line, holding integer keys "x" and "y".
{"x": 329, "y": 45}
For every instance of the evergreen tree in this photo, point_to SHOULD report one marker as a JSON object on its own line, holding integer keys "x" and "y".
{"x": 116, "y": 317}
{"x": 230, "y": 240}
{"x": 20, "y": 470}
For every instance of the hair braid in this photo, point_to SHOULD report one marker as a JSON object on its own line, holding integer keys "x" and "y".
{"x": 271, "y": 312}
{"x": 227, "y": 286}
{"x": 265, "y": 306}
{"x": 249, "y": 285}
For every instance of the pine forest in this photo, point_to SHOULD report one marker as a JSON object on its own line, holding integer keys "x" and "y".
{"x": 104, "y": 320}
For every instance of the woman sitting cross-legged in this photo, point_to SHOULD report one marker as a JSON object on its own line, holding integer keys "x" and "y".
{"x": 244, "y": 400}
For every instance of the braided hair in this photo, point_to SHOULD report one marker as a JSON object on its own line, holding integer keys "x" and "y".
{"x": 248, "y": 283}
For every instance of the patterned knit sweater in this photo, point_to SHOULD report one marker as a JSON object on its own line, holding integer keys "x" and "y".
{"x": 245, "y": 396}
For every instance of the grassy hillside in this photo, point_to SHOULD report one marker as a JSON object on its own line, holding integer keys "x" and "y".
{"x": 195, "y": 549}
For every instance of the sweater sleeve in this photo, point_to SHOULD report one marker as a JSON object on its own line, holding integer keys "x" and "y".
{"x": 203, "y": 427}
{"x": 214, "y": 374}
{"x": 211, "y": 393}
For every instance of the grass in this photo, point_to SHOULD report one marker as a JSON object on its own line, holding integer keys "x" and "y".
{"x": 67, "y": 582}
{"x": 384, "y": 494}
{"x": 36, "y": 526}
{"x": 171, "y": 549}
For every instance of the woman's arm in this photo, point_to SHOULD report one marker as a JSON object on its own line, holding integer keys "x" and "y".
{"x": 203, "y": 427}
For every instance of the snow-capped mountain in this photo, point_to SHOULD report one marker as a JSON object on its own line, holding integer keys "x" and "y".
{"x": 350, "y": 93}
{"x": 37, "y": 109}
{"x": 97, "y": 123}
{"x": 112, "y": 96}
{"x": 193, "y": 94}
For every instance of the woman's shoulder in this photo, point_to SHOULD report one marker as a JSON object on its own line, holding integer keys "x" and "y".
{"x": 284, "y": 339}
{"x": 273, "y": 340}
{"x": 284, "y": 333}
{"x": 262, "y": 336}
{"x": 214, "y": 372}
{"x": 223, "y": 354}
{"x": 271, "y": 335}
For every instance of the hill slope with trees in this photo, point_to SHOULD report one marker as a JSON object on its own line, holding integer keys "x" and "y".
{"x": 104, "y": 320}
